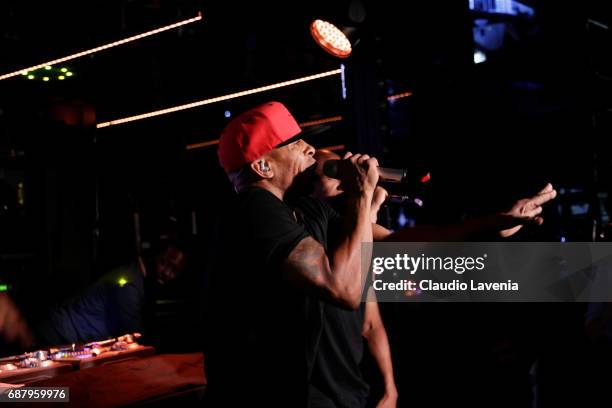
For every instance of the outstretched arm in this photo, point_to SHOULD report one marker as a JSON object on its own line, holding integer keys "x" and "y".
{"x": 506, "y": 224}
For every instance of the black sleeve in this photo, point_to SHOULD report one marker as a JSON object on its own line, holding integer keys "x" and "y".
{"x": 333, "y": 217}
{"x": 335, "y": 224}
{"x": 272, "y": 227}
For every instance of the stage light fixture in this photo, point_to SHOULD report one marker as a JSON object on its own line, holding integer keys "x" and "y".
{"x": 331, "y": 38}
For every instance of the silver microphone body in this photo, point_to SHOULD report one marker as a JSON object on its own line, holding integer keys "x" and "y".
{"x": 331, "y": 168}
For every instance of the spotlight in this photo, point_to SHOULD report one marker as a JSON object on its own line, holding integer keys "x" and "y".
{"x": 335, "y": 29}
{"x": 329, "y": 37}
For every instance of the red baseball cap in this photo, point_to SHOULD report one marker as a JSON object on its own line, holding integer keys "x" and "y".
{"x": 255, "y": 133}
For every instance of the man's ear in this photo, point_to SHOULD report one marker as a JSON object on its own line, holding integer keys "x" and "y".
{"x": 262, "y": 168}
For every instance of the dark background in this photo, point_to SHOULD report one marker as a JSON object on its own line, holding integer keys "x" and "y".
{"x": 536, "y": 111}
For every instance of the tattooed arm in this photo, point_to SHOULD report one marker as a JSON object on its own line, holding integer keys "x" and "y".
{"x": 335, "y": 277}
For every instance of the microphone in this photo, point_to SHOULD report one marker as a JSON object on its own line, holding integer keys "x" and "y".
{"x": 331, "y": 168}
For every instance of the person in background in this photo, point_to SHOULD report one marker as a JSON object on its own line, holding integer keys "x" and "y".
{"x": 115, "y": 303}
{"x": 341, "y": 346}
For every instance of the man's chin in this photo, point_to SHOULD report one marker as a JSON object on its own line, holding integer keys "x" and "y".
{"x": 311, "y": 168}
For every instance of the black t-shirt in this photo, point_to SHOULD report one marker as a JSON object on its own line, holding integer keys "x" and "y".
{"x": 256, "y": 347}
{"x": 265, "y": 334}
{"x": 335, "y": 378}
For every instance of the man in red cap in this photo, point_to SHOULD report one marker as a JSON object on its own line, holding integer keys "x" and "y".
{"x": 275, "y": 272}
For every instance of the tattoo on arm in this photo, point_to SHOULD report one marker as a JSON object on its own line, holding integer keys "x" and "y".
{"x": 309, "y": 256}
{"x": 308, "y": 268}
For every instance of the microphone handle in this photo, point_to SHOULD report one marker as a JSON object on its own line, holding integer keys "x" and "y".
{"x": 392, "y": 175}
{"x": 331, "y": 168}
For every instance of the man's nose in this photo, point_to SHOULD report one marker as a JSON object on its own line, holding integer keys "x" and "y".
{"x": 309, "y": 150}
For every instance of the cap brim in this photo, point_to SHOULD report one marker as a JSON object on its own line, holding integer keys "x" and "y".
{"x": 304, "y": 134}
